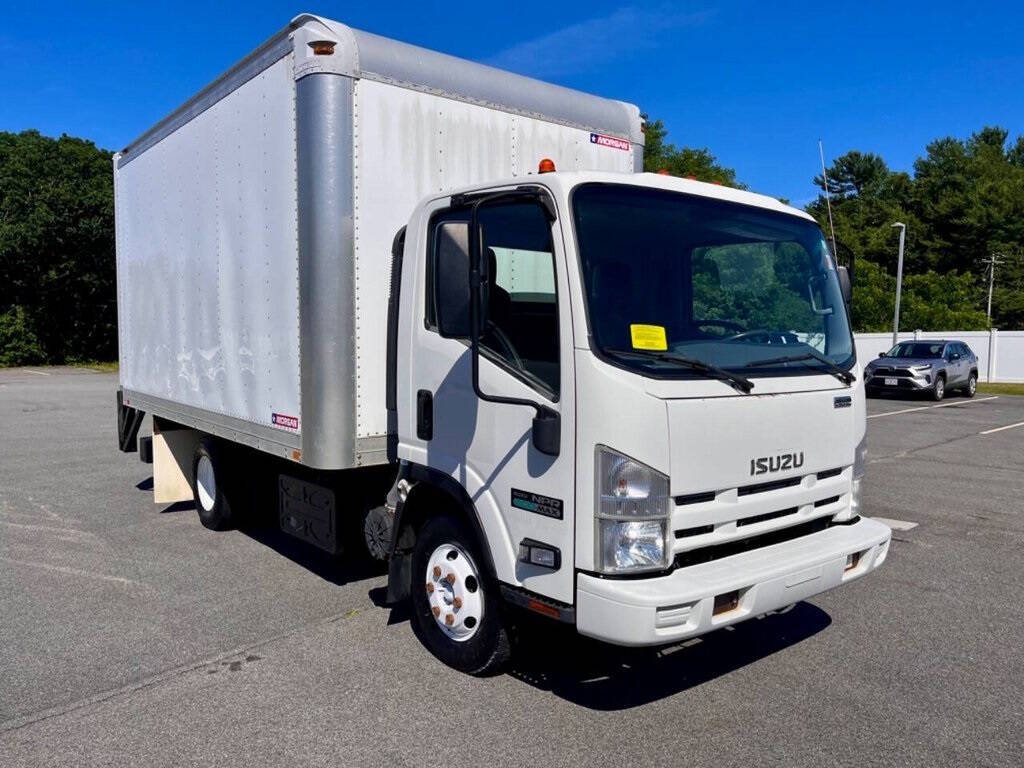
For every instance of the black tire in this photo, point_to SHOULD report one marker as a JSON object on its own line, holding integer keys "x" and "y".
{"x": 489, "y": 648}
{"x": 938, "y": 390}
{"x": 972, "y": 385}
{"x": 212, "y": 498}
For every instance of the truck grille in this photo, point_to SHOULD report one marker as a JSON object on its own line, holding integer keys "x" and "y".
{"x": 736, "y": 546}
{"x": 711, "y": 524}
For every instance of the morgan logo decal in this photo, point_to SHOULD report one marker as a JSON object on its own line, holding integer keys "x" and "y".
{"x": 609, "y": 141}
{"x": 280, "y": 420}
{"x": 765, "y": 464}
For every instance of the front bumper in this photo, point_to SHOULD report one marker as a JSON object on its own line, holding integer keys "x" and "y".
{"x": 669, "y": 608}
{"x": 906, "y": 383}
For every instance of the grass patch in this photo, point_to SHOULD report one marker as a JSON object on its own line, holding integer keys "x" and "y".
{"x": 1001, "y": 389}
{"x": 95, "y": 365}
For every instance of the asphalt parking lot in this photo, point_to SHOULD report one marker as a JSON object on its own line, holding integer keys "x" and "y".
{"x": 130, "y": 635}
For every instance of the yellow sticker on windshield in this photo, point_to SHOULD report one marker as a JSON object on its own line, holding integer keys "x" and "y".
{"x": 648, "y": 337}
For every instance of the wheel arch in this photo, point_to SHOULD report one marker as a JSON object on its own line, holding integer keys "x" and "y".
{"x": 430, "y": 489}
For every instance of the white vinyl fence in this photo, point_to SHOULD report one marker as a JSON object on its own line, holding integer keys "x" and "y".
{"x": 1000, "y": 353}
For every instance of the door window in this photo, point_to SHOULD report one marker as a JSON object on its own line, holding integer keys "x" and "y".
{"x": 520, "y": 332}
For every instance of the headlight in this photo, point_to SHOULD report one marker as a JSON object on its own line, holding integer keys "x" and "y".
{"x": 922, "y": 368}
{"x": 860, "y": 458}
{"x": 633, "y": 513}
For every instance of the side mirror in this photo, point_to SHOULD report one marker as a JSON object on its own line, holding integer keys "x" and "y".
{"x": 845, "y": 284}
{"x": 547, "y": 431}
{"x": 954, "y": 356}
{"x": 881, "y": 354}
{"x": 452, "y": 297}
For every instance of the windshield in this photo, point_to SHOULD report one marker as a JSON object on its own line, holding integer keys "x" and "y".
{"x": 730, "y": 285}
{"x": 921, "y": 350}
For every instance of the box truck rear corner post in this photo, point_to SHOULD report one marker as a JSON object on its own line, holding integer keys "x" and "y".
{"x": 380, "y": 289}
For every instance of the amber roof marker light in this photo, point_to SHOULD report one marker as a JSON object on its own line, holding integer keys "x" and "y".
{"x": 322, "y": 47}
{"x": 547, "y": 165}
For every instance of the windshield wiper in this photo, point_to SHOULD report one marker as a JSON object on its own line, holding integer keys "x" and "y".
{"x": 741, "y": 383}
{"x": 811, "y": 354}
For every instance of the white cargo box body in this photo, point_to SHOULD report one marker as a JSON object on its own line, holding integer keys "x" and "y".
{"x": 255, "y": 224}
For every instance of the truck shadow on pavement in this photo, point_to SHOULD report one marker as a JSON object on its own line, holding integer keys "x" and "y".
{"x": 553, "y": 657}
{"x": 608, "y": 678}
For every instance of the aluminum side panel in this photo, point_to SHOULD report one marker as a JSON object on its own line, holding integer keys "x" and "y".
{"x": 207, "y": 258}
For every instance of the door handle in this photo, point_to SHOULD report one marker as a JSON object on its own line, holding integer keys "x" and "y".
{"x": 424, "y": 415}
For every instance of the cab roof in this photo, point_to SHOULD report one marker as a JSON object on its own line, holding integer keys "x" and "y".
{"x": 561, "y": 182}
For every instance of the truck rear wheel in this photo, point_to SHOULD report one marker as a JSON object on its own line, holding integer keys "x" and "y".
{"x": 457, "y": 611}
{"x": 209, "y": 477}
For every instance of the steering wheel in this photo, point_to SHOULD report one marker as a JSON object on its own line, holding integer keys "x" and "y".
{"x": 749, "y": 334}
{"x": 728, "y": 325}
{"x": 502, "y": 339}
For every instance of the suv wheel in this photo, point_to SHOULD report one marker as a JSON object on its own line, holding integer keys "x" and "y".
{"x": 972, "y": 385}
{"x": 939, "y": 388}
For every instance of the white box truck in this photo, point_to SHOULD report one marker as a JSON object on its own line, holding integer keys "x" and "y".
{"x": 444, "y": 301}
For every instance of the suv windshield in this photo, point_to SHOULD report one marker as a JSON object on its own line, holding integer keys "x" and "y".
{"x": 918, "y": 350}
{"x": 730, "y": 285}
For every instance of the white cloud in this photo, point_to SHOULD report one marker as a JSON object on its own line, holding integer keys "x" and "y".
{"x": 579, "y": 47}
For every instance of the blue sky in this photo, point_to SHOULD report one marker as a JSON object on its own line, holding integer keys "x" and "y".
{"x": 758, "y": 83}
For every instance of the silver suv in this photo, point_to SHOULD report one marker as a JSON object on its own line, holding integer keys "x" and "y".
{"x": 934, "y": 367}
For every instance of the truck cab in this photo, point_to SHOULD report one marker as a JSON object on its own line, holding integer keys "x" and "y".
{"x": 639, "y": 399}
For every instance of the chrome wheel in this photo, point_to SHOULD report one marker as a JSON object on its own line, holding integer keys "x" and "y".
{"x": 206, "y": 483}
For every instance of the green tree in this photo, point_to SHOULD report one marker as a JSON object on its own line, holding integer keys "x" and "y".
{"x": 964, "y": 201}
{"x": 56, "y": 249}
{"x": 855, "y": 173}
{"x": 700, "y": 164}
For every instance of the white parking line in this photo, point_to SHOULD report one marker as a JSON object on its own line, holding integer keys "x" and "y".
{"x": 37, "y": 373}
{"x": 926, "y": 407}
{"x": 1000, "y": 429}
{"x": 896, "y": 525}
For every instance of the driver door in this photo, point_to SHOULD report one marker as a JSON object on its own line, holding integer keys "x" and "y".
{"x": 518, "y": 492}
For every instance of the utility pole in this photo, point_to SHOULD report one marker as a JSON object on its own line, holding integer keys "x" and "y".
{"x": 991, "y": 261}
{"x": 899, "y": 284}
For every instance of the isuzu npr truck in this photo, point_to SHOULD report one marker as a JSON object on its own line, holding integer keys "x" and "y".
{"x": 444, "y": 301}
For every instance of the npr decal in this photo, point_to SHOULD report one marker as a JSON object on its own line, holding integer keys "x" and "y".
{"x": 290, "y": 422}
{"x": 534, "y": 502}
{"x": 765, "y": 464}
{"x": 609, "y": 141}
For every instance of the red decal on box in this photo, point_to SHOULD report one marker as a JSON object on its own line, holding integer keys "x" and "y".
{"x": 291, "y": 422}
{"x": 609, "y": 141}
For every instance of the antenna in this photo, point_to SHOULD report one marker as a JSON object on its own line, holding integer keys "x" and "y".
{"x": 828, "y": 199}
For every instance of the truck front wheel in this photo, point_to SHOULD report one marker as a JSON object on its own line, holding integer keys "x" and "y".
{"x": 209, "y": 474}
{"x": 457, "y": 611}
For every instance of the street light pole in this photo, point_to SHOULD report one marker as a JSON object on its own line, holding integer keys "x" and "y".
{"x": 899, "y": 284}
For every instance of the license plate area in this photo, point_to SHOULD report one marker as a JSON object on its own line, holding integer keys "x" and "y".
{"x": 889, "y": 382}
